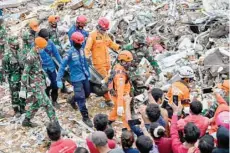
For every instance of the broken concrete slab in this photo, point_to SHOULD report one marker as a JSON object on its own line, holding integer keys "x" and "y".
{"x": 75, "y": 4}
{"x": 11, "y": 3}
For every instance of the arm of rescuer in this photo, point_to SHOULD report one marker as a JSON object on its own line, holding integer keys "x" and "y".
{"x": 62, "y": 67}
{"x": 113, "y": 45}
{"x": 56, "y": 53}
{"x": 88, "y": 46}
{"x": 120, "y": 88}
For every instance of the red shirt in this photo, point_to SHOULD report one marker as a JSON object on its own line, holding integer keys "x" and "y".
{"x": 164, "y": 145}
{"x": 92, "y": 149}
{"x": 63, "y": 146}
{"x": 200, "y": 121}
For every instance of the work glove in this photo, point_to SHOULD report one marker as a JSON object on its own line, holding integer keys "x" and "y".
{"x": 22, "y": 94}
{"x": 89, "y": 61}
{"x": 48, "y": 82}
{"x": 120, "y": 110}
{"x": 60, "y": 84}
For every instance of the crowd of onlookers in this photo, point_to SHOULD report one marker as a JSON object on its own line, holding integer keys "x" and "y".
{"x": 153, "y": 131}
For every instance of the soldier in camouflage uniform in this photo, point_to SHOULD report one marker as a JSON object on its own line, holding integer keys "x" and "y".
{"x": 2, "y": 46}
{"x": 27, "y": 43}
{"x": 139, "y": 50}
{"x": 13, "y": 67}
{"x": 35, "y": 80}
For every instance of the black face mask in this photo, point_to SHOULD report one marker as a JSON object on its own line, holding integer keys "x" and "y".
{"x": 54, "y": 25}
{"x": 32, "y": 32}
{"x": 77, "y": 46}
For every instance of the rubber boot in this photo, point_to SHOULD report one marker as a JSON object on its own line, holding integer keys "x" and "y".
{"x": 86, "y": 120}
{"x": 17, "y": 112}
{"x": 70, "y": 100}
{"x": 28, "y": 123}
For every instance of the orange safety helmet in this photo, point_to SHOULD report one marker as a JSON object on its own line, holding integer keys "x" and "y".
{"x": 125, "y": 56}
{"x": 40, "y": 42}
{"x": 77, "y": 37}
{"x": 224, "y": 85}
{"x": 34, "y": 25}
{"x": 53, "y": 19}
{"x": 103, "y": 23}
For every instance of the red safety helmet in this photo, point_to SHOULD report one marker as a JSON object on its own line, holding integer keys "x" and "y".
{"x": 103, "y": 23}
{"x": 81, "y": 19}
{"x": 77, "y": 37}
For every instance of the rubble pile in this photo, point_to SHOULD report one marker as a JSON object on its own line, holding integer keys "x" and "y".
{"x": 182, "y": 32}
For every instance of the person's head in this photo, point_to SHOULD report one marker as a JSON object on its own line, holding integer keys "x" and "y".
{"x": 222, "y": 137}
{"x": 196, "y": 107}
{"x": 13, "y": 42}
{"x": 53, "y": 20}
{"x": 206, "y": 144}
{"x": 191, "y": 133}
{"x": 156, "y": 130}
{"x": 40, "y": 43}
{"x": 34, "y": 27}
{"x": 224, "y": 86}
{"x": 158, "y": 95}
{"x": 144, "y": 144}
{"x": 125, "y": 58}
{"x": 127, "y": 139}
{"x": 139, "y": 40}
{"x": 223, "y": 119}
{"x": 54, "y": 131}
{"x": 153, "y": 112}
{"x": 81, "y": 150}
{"x": 103, "y": 25}
{"x": 27, "y": 37}
{"x": 77, "y": 39}
{"x": 186, "y": 74}
{"x": 109, "y": 133}
{"x": 44, "y": 33}
{"x": 100, "y": 122}
{"x": 99, "y": 139}
{"x": 81, "y": 22}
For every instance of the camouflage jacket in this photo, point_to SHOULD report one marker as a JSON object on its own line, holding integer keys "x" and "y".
{"x": 3, "y": 34}
{"x": 33, "y": 76}
{"x": 54, "y": 35}
{"x": 12, "y": 62}
{"x": 25, "y": 50}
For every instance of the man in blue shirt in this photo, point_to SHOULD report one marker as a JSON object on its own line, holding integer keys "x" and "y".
{"x": 48, "y": 65}
{"x": 79, "y": 27}
{"x": 79, "y": 74}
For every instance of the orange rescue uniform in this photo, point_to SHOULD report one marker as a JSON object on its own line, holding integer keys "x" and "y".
{"x": 121, "y": 87}
{"x": 97, "y": 46}
{"x": 180, "y": 89}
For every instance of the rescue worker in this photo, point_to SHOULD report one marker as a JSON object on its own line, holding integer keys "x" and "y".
{"x": 79, "y": 27}
{"x": 47, "y": 54}
{"x": 34, "y": 28}
{"x": 27, "y": 43}
{"x": 79, "y": 74}
{"x": 3, "y": 35}
{"x": 13, "y": 67}
{"x": 34, "y": 80}
{"x": 181, "y": 88}
{"x": 54, "y": 35}
{"x": 139, "y": 50}
{"x": 97, "y": 45}
{"x": 119, "y": 86}
{"x": 224, "y": 86}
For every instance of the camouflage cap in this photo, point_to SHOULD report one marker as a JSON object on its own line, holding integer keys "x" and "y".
{"x": 26, "y": 35}
{"x": 140, "y": 37}
{"x": 13, "y": 40}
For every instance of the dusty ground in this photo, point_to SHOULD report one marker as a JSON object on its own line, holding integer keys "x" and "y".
{"x": 15, "y": 138}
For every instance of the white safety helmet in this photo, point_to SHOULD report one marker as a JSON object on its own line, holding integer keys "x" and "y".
{"x": 186, "y": 72}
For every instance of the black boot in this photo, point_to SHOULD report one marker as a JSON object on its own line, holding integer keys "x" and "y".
{"x": 28, "y": 123}
{"x": 86, "y": 120}
{"x": 56, "y": 105}
{"x": 70, "y": 100}
{"x": 17, "y": 112}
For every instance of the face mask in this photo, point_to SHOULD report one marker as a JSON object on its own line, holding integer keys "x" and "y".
{"x": 77, "y": 46}
{"x": 53, "y": 25}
